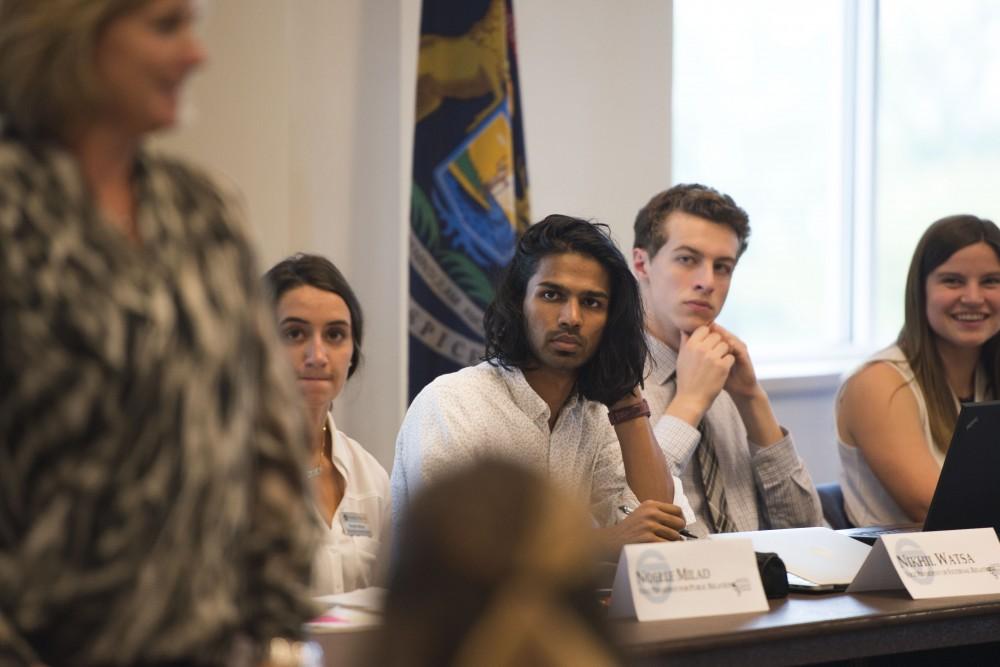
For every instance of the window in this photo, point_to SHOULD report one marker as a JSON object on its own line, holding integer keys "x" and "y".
{"x": 844, "y": 128}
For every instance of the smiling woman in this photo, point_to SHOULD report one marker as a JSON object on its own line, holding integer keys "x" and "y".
{"x": 143, "y": 59}
{"x": 153, "y": 487}
{"x": 895, "y": 415}
{"x": 321, "y": 325}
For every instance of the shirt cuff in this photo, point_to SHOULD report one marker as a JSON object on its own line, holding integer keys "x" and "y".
{"x": 774, "y": 462}
{"x": 629, "y": 499}
{"x": 681, "y": 501}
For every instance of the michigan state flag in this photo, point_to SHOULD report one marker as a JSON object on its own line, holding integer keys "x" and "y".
{"x": 470, "y": 184}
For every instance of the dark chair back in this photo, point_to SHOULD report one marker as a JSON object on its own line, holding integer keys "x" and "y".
{"x": 831, "y": 497}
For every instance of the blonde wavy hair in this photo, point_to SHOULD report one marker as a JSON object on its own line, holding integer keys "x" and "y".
{"x": 47, "y": 77}
{"x": 497, "y": 567}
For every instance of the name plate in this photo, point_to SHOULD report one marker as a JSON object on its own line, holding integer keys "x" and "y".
{"x": 687, "y": 579}
{"x": 936, "y": 564}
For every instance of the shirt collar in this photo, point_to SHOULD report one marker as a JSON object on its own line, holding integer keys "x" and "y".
{"x": 68, "y": 175}
{"x": 526, "y": 399}
{"x": 65, "y": 181}
{"x": 663, "y": 360}
{"x": 336, "y": 446}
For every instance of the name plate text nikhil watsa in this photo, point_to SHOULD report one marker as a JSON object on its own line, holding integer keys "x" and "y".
{"x": 941, "y": 563}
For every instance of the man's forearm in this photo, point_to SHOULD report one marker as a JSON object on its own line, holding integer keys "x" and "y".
{"x": 785, "y": 486}
{"x": 646, "y": 469}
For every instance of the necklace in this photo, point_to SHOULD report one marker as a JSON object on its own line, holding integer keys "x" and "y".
{"x": 316, "y": 471}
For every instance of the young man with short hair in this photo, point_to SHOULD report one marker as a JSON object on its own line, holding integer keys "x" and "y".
{"x": 559, "y": 391}
{"x": 710, "y": 415}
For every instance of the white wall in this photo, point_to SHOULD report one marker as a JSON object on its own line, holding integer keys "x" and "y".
{"x": 239, "y": 126}
{"x": 595, "y": 79}
{"x": 307, "y": 106}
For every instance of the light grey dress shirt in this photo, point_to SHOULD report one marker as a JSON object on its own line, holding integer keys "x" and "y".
{"x": 766, "y": 487}
{"x": 489, "y": 411}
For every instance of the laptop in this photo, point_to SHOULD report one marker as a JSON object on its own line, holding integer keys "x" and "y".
{"x": 968, "y": 491}
{"x": 818, "y": 560}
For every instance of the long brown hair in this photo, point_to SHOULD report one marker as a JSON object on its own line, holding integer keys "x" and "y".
{"x": 918, "y": 341}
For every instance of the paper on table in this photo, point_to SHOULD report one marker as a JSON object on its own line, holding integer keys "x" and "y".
{"x": 369, "y": 599}
{"x": 821, "y": 555}
{"x": 356, "y": 610}
{"x": 343, "y": 619}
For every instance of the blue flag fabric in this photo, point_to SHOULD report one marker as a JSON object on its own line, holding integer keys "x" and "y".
{"x": 470, "y": 185}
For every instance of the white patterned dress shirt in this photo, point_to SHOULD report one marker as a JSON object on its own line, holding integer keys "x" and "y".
{"x": 489, "y": 411}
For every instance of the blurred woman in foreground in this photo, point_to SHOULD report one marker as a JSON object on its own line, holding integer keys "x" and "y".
{"x": 154, "y": 507}
{"x": 896, "y": 414}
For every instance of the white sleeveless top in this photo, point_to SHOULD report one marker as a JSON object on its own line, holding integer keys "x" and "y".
{"x": 866, "y": 501}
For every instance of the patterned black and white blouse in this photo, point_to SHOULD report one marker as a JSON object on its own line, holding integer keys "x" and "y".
{"x": 152, "y": 501}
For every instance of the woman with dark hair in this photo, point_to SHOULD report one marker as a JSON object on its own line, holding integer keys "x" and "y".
{"x": 896, "y": 414}
{"x": 154, "y": 508}
{"x": 320, "y": 323}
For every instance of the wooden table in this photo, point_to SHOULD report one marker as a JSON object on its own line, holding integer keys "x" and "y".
{"x": 347, "y": 649}
{"x": 805, "y": 629}
{"x": 801, "y": 629}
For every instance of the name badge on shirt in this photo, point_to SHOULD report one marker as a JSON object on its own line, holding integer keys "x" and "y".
{"x": 355, "y": 524}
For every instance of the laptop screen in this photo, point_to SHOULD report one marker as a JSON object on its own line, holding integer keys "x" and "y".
{"x": 968, "y": 491}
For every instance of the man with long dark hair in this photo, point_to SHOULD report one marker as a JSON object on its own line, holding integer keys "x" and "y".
{"x": 710, "y": 414}
{"x": 559, "y": 390}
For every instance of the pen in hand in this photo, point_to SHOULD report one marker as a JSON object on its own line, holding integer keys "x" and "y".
{"x": 626, "y": 510}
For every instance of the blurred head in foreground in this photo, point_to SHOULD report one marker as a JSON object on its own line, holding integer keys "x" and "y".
{"x": 495, "y": 566}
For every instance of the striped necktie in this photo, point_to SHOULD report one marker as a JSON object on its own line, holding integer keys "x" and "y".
{"x": 711, "y": 482}
{"x": 708, "y": 470}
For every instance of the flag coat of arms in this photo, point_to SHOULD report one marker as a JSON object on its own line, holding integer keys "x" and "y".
{"x": 469, "y": 198}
